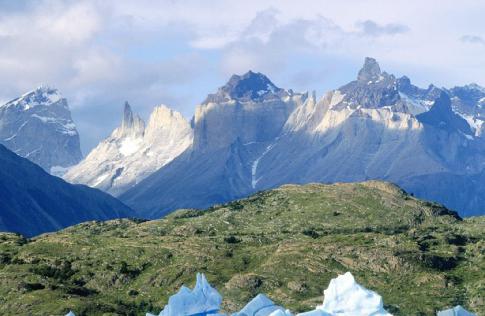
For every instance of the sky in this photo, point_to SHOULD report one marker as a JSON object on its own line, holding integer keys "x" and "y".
{"x": 102, "y": 53}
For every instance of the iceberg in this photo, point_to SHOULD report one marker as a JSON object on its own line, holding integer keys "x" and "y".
{"x": 202, "y": 300}
{"x": 345, "y": 297}
{"x": 261, "y": 305}
{"x": 455, "y": 311}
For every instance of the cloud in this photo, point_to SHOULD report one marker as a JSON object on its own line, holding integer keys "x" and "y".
{"x": 100, "y": 53}
{"x": 271, "y": 44}
{"x": 371, "y": 28}
{"x": 472, "y": 39}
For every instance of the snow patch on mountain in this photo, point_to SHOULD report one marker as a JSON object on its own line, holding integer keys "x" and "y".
{"x": 475, "y": 123}
{"x": 254, "y": 166}
{"x": 416, "y": 106}
{"x": 42, "y": 96}
{"x": 134, "y": 151}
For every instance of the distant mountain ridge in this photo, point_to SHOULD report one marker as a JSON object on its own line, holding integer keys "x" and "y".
{"x": 251, "y": 135}
{"x": 34, "y": 202}
{"x": 39, "y": 127}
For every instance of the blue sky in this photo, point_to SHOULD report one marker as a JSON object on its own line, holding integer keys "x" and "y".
{"x": 101, "y": 53}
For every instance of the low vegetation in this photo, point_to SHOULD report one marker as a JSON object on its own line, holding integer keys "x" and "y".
{"x": 287, "y": 243}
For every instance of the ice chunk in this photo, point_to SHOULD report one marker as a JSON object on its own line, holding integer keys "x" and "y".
{"x": 316, "y": 312}
{"x": 345, "y": 297}
{"x": 455, "y": 311}
{"x": 262, "y": 306}
{"x": 202, "y": 300}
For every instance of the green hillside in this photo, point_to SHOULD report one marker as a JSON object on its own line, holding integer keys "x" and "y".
{"x": 287, "y": 243}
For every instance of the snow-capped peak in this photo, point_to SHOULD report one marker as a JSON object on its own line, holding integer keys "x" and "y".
{"x": 43, "y": 95}
{"x": 38, "y": 126}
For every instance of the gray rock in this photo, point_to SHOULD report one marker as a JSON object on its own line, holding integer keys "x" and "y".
{"x": 367, "y": 129}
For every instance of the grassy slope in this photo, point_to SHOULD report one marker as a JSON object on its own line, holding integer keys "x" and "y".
{"x": 287, "y": 243}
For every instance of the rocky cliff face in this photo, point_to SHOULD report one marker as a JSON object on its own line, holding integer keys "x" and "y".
{"x": 232, "y": 129}
{"x": 251, "y": 136}
{"x": 38, "y": 126}
{"x": 248, "y": 109}
{"x": 133, "y": 151}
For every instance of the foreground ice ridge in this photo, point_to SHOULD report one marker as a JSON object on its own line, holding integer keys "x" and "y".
{"x": 343, "y": 297}
{"x": 202, "y": 300}
{"x": 262, "y": 306}
{"x": 346, "y": 297}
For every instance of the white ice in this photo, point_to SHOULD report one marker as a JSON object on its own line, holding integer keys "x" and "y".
{"x": 455, "y": 311}
{"x": 345, "y": 297}
{"x": 202, "y": 300}
{"x": 262, "y": 306}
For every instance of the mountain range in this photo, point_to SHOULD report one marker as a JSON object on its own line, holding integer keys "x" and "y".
{"x": 251, "y": 135}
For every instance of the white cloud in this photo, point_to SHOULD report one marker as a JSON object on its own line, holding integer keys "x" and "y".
{"x": 473, "y": 39}
{"x": 100, "y": 53}
{"x": 371, "y": 28}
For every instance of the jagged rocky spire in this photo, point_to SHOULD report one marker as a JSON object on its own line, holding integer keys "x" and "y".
{"x": 132, "y": 124}
{"x": 370, "y": 70}
{"x": 127, "y": 116}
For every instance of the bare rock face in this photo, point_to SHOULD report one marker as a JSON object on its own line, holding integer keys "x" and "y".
{"x": 133, "y": 151}
{"x": 249, "y": 108}
{"x": 38, "y": 126}
{"x": 233, "y": 128}
{"x": 370, "y": 71}
{"x": 251, "y": 135}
